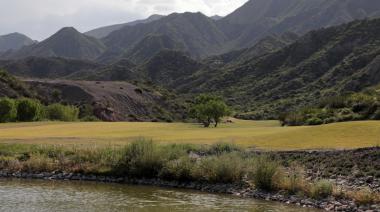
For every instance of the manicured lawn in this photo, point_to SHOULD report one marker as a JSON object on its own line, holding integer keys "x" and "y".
{"x": 267, "y": 135}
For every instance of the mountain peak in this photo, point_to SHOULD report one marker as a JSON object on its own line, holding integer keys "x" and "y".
{"x": 71, "y": 30}
{"x": 14, "y": 41}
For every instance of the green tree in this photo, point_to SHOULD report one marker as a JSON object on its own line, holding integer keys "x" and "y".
{"x": 208, "y": 109}
{"x": 8, "y": 110}
{"x": 29, "y": 110}
{"x": 61, "y": 112}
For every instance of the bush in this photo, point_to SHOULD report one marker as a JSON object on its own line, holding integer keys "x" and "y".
{"x": 29, "y": 110}
{"x": 364, "y": 197}
{"x": 179, "y": 169}
{"x": 226, "y": 168}
{"x": 59, "y": 112}
{"x": 321, "y": 189}
{"x": 294, "y": 182}
{"x": 141, "y": 159}
{"x": 8, "y": 110}
{"x": 222, "y": 147}
{"x": 314, "y": 121}
{"x": 264, "y": 172}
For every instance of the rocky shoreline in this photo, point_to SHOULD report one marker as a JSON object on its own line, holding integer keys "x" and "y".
{"x": 243, "y": 190}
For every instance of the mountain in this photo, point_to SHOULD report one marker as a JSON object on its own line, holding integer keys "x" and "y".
{"x": 197, "y": 33}
{"x": 150, "y": 46}
{"x": 105, "y": 31}
{"x": 67, "y": 43}
{"x": 268, "y": 44}
{"x": 52, "y": 67}
{"x": 257, "y": 18}
{"x": 326, "y": 62}
{"x": 14, "y": 41}
{"x": 168, "y": 67}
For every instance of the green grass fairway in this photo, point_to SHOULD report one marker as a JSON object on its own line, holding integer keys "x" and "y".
{"x": 267, "y": 135}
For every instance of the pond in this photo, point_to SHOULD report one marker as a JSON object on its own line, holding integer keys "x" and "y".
{"x": 39, "y": 195}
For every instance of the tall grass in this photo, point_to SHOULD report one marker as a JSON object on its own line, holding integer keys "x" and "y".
{"x": 146, "y": 159}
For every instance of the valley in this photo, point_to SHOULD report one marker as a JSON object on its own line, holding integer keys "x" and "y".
{"x": 278, "y": 100}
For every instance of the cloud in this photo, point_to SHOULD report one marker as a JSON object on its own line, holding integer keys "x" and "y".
{"x": 41, "y": 18}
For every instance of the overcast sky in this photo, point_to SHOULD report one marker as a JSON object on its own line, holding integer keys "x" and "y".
{"x": 39, "y": 19}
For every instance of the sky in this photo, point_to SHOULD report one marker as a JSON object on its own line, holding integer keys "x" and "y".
{"x": 39, "y": 19}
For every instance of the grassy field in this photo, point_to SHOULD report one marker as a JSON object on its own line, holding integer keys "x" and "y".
{"x": 267, "y": 135}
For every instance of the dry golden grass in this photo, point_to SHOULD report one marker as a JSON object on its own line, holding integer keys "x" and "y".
{"x": 267, "y": 135}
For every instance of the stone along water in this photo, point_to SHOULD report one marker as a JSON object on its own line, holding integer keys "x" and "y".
{"x": 35, "y": 195}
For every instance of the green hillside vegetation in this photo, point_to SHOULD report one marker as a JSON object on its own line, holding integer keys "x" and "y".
{"x": 351, "y": 107}
{"x": 327, "y": 62}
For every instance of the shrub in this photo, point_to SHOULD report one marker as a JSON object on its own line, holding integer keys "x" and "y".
{"x": 222, "y": 147}
{"x": 141, "y": 159}
{"x": 364, "y": 197}
{"x": 264, "y": 172}
{"x": 29, "y": 110}
{"x": 314, "y": 121}
{"x": 59, "y": 112}
{"x": 8, "y": 110}
{"x": 39, "y": 163}
{"x": 294, "y": 181}
{"x": 226, "y": 168}
{"x": 179, "y": 169}
{"x": 321, "y": 189}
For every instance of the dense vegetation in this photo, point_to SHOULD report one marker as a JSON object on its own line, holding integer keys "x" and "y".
{"x": 219, "y": 163}
{"x": 27, "y": 110}
{"x": 352, "y": 107}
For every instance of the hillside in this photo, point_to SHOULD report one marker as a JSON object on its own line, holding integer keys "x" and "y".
{"x": 112, "y": 101}
{"x": 12, "y": 87}
{"x": 326, "y": 62}
{"x": 14, "y": 41}
{"x": 52, "y": 67}
{"x": 257, "y": 18}
{"x": 105, "y": 31}
{"x": 150, "y": 46}
{"x": 67, "y": 43}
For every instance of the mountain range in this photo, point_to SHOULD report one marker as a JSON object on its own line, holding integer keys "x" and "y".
{"x": 199, "y": 35}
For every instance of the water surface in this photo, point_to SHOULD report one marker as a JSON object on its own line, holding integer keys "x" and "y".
{"x": 38, "y": 195}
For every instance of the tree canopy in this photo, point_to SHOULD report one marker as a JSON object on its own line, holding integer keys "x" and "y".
{"x": 209, "y": 109}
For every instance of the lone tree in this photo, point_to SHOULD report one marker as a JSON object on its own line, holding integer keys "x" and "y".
{"x": 209, "y": 109}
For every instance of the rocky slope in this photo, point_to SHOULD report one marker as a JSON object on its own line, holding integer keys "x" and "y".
{"x": 112, "y": 101}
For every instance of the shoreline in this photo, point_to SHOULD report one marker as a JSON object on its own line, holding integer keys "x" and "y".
{"x": 240, "y": 190}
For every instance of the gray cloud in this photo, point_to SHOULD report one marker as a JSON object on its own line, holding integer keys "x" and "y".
{"x": 41, "y": 18}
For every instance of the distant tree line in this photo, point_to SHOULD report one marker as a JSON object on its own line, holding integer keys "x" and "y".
{"x": 29, "y": 110}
